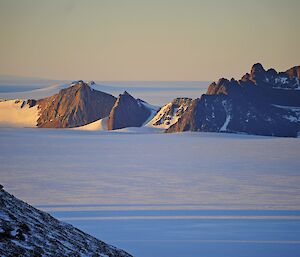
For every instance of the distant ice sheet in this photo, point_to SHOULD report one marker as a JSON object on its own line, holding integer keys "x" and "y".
{"x": 193, "y": 233}
{"x": 212, "y": 171}
{"x": 157, "y": 194}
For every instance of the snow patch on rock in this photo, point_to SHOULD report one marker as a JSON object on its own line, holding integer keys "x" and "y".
{"x": 170, "y": 113}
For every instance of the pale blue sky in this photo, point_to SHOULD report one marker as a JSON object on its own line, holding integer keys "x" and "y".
{"x": 146, "y": 39}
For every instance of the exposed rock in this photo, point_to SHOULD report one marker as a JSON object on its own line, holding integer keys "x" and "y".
{"x": 261, "y": 103}
{"x": 257, "y": 73}
{"x": 170, "y": 113}
{"x": 31, "y": 102}
{"x": 127, "y": 112}
{"x": 294, "y": 72}
{"x": 26, "y": 231}
{"x": 74, "y": 106}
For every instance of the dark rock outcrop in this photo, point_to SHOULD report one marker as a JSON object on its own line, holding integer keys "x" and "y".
{"x": 26, "y": 231}
{"x": 261, "y": 103}
{"x": 127, "y": 112}
{"x": 74, "y": 106}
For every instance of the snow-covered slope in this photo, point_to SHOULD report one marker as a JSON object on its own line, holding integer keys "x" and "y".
{"x": 96, "y": 125}
{"x": 18, "y": 113}
{"x": 152, "y": 108}
{"x": 170, "y": 113}
{"x": 26, "y": 231}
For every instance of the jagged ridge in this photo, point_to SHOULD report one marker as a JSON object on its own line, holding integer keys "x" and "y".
{"x": 262, "y": 103}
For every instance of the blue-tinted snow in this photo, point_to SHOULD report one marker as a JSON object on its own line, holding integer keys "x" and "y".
{"x": 156, "y": 194}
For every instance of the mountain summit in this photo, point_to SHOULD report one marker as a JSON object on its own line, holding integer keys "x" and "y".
{"x": 128, "y": 112}
{"x": 74, "y": 106}
{"x": 261, "y": 103}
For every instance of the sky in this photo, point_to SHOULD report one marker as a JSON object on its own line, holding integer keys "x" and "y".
{"x": 183, "y": 40}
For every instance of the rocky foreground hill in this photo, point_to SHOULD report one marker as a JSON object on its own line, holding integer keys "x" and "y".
{"x": 262, "y": 102}
{"x": 26, "y": 231}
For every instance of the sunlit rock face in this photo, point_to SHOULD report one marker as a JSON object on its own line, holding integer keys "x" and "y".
{"x": 74, "y": 106}
{"x": 261, "y": 103}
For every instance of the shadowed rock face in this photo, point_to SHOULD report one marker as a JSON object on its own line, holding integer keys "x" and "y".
{"x": 26, "y": 231}
{"x": 74, "y": 106}
{"x": 127, "y": 112}
{"x": 262, "y": 103}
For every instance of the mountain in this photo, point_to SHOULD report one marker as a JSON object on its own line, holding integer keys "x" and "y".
{"x": 74, "y": 106}
{"x": 170, "y": 113}
{"x": 261, "y": 103}
{"x": 77, "y": 106}
{"x": 26, "y": 231}
{"x": 128, "y": 112}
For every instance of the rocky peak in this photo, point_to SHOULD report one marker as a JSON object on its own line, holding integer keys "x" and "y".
{"x": 77, "y": 86}
{"x": 127, "y": 112}
{"x": 125, "y": 93}
{"x": 257, "y": 68}
{"x": 265, "y": 82}
{"x": 126, "y": 96}
{"x": 257, "y": 73}
{"x": 222, "y": 81}
{"x": 246, "y": 77}
{"x": 271, "y": 73}
{"x": 74, "y": 106}
{"x": 223, "y": 86}
{"x": 262, "y": 102}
